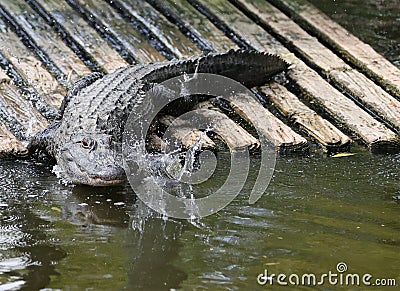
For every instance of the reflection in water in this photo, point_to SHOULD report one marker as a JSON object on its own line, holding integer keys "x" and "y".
{"x": 26, "y": 258}
{"x": 152, "y": 253}
{"x": 317, "y": 211}
{"x": 76, "y": 237}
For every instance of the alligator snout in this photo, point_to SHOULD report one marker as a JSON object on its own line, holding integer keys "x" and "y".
{"x": 111, "y": 174}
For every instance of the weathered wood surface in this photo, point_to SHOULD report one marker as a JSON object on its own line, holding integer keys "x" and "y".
{"x": 168, "y": 34}
{"x": 274, "y": 130}
{"x": 104, "y": 16}
{"x": 86, "y": 38}
{"x": 46, "y": 39}
{"x": 334, "y": 103}
{"x": 9, "y": 144}
{"x": 229, "y": 132}
{"x": 376, "y": 135}
{"x": 332, "y": 139}
{"x": 195, "y": 23}
{"x": 30, "y": 68}
{"x": 350, "y": 80}
{"x": 185, "y": 134}
{"x": 13, "y": 105}
{"x": 349, "y": 46}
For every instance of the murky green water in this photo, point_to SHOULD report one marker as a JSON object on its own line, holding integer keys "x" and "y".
{"x": 376, "y": 22}
{"x": 317, "y": 212}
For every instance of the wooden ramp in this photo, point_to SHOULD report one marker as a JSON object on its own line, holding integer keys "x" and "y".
{"x": 338, "y": 89}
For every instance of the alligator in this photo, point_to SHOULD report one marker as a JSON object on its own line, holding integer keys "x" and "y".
{"x": 82, "y": 139}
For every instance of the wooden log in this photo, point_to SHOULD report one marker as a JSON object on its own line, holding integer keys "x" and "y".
{"x": 196, "y": 23}
{"x": 346, "y": 44}
{"x": 21, "y": 110}
{"x": 186, "y": 135}
{"x": 30, "y": 68}
{"x": 341, "y": 109}
{"x": 273, "y": 129}
{"x": 228, "y": 131}
{"x": 9, "y": 144}
{"x": 84, "y": 35}
{"x": 168, "y": 34}
{"x": 350, "y": 80}
{"x": 111, "y": 21}
{"x": 326, "y": 134}
{"x": 46, "y": 39}
{"x": 369, "y": 94}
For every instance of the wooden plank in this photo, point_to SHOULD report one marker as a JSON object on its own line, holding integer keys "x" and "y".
{"x": 350, "y": 80}
{"x": 186, "y": 135}
{"x": 109, "y": 19}
{"x": 376, "y": 135}
{"x": 9, "y": 144}
{"x": 21, "y": 110}
{"x": 46, "y": 39}
{"x": 232, "y": 134}
{"x": 282, "y": 136}
{"x": 30, "y": 68}
{"x": 369, "y": 94}
{"x": 341, "y": 40}
{"x": 326, "y": 134}
{"x": 169, "y": 35}
{"x": 195, "y": 23}
{"x": 334, "y": 103}
{"x": 84, "y": 35}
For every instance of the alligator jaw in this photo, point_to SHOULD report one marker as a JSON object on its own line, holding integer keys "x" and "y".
{"x": 115, "y": 177}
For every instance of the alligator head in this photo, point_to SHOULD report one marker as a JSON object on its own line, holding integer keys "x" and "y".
{"x": 82, "y": 157}
{"x": 90, "y": 159}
